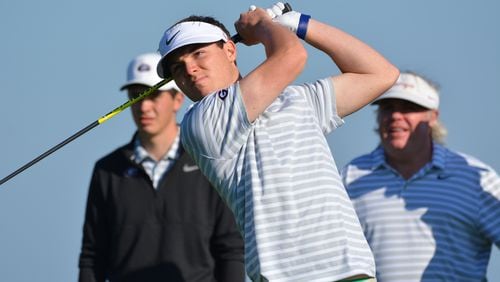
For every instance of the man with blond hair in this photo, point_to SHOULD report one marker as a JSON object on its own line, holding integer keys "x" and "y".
{"x": 429, "y": 213}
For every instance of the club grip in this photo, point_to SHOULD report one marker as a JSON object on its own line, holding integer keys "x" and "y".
{"x": 237, "y": 38}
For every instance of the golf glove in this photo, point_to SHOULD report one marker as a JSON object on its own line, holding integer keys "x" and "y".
{"x": 294, "y": 21}
{"x": 276, "y": 10}
{"x": 273, "y": 11}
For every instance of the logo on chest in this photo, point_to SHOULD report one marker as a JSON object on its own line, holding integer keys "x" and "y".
{"x": 189, "y": 168}
{"x": 222, "y": 93}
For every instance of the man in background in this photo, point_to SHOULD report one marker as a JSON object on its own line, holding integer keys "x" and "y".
{"x": 151, "y": 214}
{"x": 429, "y": 213}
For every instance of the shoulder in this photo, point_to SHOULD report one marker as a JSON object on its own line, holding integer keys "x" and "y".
{"x": 213, "y": 107}
{"x": 470, "y": 171}
{"x": 362, "y": 166}
{"x": 118, "y": 157}
{"x": 363, "y": 162}
{"x": 318, "y": 86}
{"x": 464, "y": 161}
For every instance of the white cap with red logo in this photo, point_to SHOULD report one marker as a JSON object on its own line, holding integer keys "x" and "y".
{"x": 411, "y": 87}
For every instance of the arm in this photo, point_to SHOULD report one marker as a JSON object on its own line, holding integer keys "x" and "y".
{"x": 283, "y": 50}
{"x": 365, "y": 73}
{"x": 92, "y": 256}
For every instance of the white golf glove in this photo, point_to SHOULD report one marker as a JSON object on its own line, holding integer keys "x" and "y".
{"x": 294, "y": 21}
{"x": 273, "y": 11}
{"x": 276, "y": 10}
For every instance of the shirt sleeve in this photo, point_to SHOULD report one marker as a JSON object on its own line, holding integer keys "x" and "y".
{"x": 321, "y": 97}
{"x": 489, "y": 211}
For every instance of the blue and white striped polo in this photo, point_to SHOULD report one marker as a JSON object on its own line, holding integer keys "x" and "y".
{"x": 278, "y": 176}
{"x": 439, "y": 225}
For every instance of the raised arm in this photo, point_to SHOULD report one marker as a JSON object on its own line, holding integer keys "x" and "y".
{"x": 365, "y": 73}
{"x": 285, "y": 59}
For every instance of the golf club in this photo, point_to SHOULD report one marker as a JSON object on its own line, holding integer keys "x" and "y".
{"x": 236, "y": 38}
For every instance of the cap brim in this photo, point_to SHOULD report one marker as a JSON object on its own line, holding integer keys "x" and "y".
{"x": 183, "y": 34}
{"x": 170, "y": 85}
{"x": 145, "y": 82}
{"x": 403, "y": 95}
{"x": 163, "y": 72}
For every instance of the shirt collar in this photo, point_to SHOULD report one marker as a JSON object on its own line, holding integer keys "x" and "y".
{"x": 140, "y": 154}
{"x": 378, "y": 158}
{"x": 438, "y": 157}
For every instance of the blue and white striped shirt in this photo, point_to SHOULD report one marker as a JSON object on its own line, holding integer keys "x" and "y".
{"x": 279, "y": 178}
{"x": 439, "y": 225}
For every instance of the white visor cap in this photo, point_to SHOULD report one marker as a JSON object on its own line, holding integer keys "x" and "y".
{"x": 142, "y": 70}
{"x": 412, "y": 88}
{"x": 186, "y": 33}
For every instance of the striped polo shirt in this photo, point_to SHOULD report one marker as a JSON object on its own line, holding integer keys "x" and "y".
{"x": 278, "y": 176}
{"x": 439, "y": 225}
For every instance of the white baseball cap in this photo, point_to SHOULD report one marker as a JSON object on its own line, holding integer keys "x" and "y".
{"x": 413, "y": 88}
{"x": 142, "y": 70}
{"x": 186, "y": 33}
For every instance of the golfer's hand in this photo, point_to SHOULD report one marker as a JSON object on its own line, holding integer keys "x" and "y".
{"x": 251, "y": 24}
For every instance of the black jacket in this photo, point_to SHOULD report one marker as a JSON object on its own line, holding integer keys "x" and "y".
{"x": 182, "y": 231}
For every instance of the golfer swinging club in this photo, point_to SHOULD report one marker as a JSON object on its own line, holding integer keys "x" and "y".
{"x": 262, "y": 144}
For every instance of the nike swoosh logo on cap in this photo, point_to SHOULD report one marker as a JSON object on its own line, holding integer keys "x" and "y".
{"x": 172, "y": 38}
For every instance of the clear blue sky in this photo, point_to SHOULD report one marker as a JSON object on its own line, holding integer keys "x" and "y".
{"x": 63, "y": 62}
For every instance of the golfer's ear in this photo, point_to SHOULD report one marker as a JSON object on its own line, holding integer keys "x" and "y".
{"x": 230, "y": 48}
